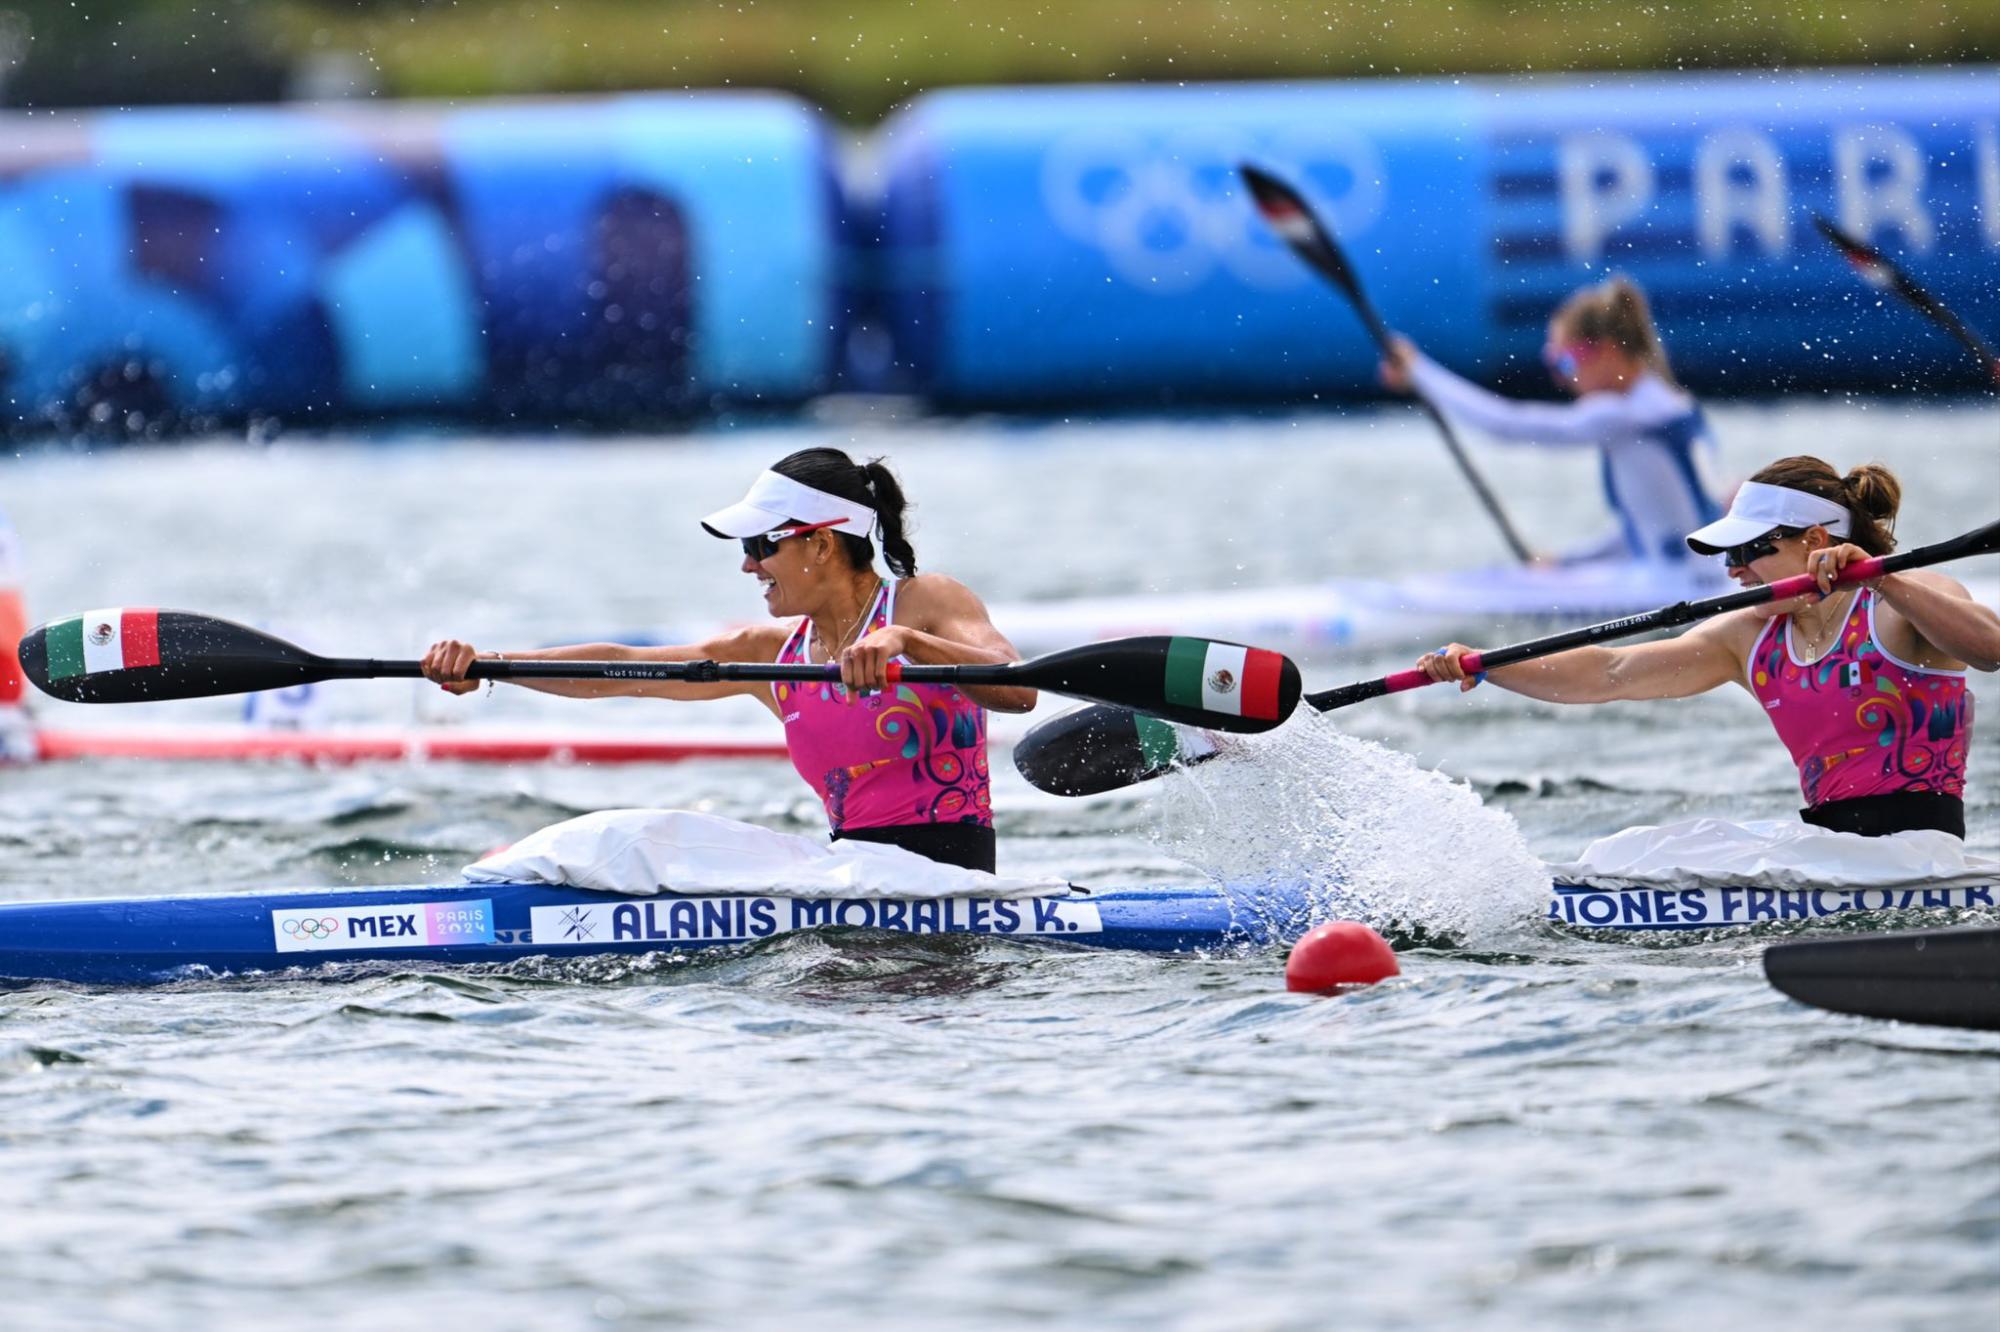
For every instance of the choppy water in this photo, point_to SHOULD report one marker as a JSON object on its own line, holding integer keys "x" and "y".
{"x": 1531, "y": 1130}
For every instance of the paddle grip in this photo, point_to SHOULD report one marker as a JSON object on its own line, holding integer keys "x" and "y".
{"x": 1801, "y": 585}
{"x": 1388, "y": 684}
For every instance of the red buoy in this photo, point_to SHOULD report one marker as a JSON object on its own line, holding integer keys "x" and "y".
{"x": 1342, "y": 952}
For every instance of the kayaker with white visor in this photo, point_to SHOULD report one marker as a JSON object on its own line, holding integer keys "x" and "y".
{"x": 1866, "y": 685}
{"x": 904, "y": 764}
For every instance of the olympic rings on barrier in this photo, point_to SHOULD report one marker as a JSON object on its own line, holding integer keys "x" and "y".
{"x": 309, "y": 927}
{"x": 1168, "y": 209}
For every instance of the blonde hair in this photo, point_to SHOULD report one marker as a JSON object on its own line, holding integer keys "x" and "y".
{"x": 1615, "y": 311}
{"x": 1870, "y": 493}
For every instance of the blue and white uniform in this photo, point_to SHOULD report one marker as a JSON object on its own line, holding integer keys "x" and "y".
{"x": 1657, "y": 453}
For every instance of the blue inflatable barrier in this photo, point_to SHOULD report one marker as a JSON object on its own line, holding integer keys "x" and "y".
{"x": 598, "y": 261}
{"x": 610, "y": 261}
{"x": 1093, "y": 244}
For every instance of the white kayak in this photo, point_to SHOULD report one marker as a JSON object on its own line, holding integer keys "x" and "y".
{"x": 1706, "y": 873}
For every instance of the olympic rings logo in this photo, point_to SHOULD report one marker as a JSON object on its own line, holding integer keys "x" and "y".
{"x": 311, "y": 927}
{"x": 1167, "y": 209}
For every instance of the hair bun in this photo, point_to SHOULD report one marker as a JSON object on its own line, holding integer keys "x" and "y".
{"x": 1874, "y": 490}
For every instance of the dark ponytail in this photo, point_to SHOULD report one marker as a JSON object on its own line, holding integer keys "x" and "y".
{"x": 892, "y": 510}
{"x": 876, "y": 486}
{"x": 1870, "y": 494}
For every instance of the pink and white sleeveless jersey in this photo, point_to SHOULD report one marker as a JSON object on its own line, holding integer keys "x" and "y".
{"x": 1859, "y": 722}
{"x": 911, "y": 755}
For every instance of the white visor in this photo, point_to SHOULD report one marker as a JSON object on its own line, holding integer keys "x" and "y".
{"x": 775, "y": 501}
{"x": 1758, "y": 509}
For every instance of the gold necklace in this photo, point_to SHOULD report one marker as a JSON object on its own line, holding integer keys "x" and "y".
{"x": 860, "y": 618}
{"x": 1814, "y": 648}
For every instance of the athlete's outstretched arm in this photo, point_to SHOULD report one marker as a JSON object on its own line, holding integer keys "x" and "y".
{"x": 1710, "y": 654}
{"x": 1586, "y": 422}
{"x": 447, "y": 661}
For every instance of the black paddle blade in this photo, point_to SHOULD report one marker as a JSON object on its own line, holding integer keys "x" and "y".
{"x": 1281, "y": 207}
{"x": 1876, "y": 270}
{"x": 1943, "y": 978}
{"x": 1286, "y": 212}
{"x": 1866, "y": 259}
{"x": 1087, "y": 751}
{"x": 138, "y": 654}
{"x": 1199, "y": 681}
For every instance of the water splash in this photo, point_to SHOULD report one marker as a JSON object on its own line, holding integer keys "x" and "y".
{"x": 1366, "y": 832}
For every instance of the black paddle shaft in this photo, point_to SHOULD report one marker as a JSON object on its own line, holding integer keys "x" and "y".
{"x": 145, "y": 655}
{"x": 1288, "y": 214}
{"x": 1875, "y": 268}
{"x": 1980, "y": 541}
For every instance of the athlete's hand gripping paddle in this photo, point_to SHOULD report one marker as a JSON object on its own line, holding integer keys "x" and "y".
{"x": 130, "y": 655}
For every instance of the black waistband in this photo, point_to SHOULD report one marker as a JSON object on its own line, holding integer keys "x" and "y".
{"x": 1900, "y": 811}
{"x": 966, "y": 845}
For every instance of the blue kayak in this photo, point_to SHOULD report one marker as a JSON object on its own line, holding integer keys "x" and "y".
{"x": 140, "y": 940}
{"x": 148, "y": 939}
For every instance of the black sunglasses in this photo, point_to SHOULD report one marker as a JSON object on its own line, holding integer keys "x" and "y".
{"x": 1739, "y": 557}
{"x": 765, "y": 544}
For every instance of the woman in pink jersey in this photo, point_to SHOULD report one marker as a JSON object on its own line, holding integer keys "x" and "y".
{"x": 1865, "y": 684}
{"x": 904, "y": 763}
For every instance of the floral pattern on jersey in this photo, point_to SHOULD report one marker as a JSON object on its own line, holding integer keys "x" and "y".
{"x": 921, "y": 749}
{"x": 1886, "y": 728}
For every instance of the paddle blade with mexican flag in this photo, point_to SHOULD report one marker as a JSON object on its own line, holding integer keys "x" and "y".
{"x": 140, "y": 654}
{"x": 1201, "y": 681}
